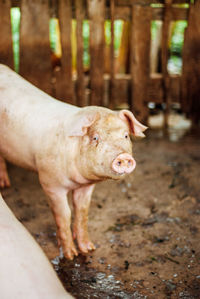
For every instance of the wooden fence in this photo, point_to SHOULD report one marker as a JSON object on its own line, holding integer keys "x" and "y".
{"x": 138, "y": 86}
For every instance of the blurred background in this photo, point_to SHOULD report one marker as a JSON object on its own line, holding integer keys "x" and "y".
{"x": 141, "y": 55}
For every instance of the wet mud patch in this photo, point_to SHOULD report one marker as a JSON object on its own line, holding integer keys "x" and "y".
{"x": 146, "y": 227}
{"x": 84, "y": 281}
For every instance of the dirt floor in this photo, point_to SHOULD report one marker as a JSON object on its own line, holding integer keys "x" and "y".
{"x": 146, "y": 227}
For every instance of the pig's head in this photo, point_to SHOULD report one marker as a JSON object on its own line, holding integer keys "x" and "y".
{"x": 105, "y": 147}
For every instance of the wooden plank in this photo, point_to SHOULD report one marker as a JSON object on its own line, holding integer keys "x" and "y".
{"x": 140, "y": 52}
{"x": 122, "y": 83}
{"x": 181, "y": 1}
{"x": 175, "y": 88}
{"x": 112, "y": 57}
{"x": 154, "y": 93}
{"x": 53, "y": 8}
{"x": 6, "y": 49}
{"x": 121, "y": 13}
{"x": 190, "y": 86}
{"x": 164, "y": 57}
{"x": 124, "y": 13}
{"x": 147, "y": 2}
{"x": 155, "y": 90}
{"x": 63, "y": 75}
{"x": 177, "y": 14}
{"x": 80, "y": 86}
{"x": 96, "y": 15}
{"x": 15, "y": 3}
{"x": 35, "y": 63}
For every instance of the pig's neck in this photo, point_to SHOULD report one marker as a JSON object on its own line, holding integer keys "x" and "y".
{"x": 76, "y": 174}
{"x": 80, "y": 179}
{"x": 77, "y": 178}
{"x": 71, "y": 163}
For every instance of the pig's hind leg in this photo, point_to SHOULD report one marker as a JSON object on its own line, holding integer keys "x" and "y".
{"x": 81, "y": 200}
{"x": 4, "y": 179}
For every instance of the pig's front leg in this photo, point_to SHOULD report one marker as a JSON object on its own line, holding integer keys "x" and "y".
{"x": 62, "y": 213}
{"x": 4, "y": 179}
{"x": 81, "y": 201}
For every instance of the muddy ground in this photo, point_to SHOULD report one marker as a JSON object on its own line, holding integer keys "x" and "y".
{"x": 146, "y": 227}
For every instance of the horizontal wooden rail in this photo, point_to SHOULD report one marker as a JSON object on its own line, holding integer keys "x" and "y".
{"x": 154, "y": 93}
{"x": 147, "y": 2}
{"x": 124, "y": 13}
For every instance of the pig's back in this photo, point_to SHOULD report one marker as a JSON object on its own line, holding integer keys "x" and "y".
{"x": 27, "y": 115}
{"x": 19, "y": 95}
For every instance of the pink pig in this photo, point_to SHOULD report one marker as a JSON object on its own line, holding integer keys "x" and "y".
{"x": 25, "y": 270}
{"x": 71, "y": 148}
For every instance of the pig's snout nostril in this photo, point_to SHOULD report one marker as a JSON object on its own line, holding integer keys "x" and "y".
{"x": 123, "y": 163}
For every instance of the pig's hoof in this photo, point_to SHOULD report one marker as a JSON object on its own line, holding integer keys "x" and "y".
{"x": 69, "y": 253}
{"x": 4, "y": 180}
{"x": 86, "y": 246}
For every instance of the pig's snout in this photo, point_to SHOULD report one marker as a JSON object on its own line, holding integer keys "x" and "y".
{"x": 123, "y": 163}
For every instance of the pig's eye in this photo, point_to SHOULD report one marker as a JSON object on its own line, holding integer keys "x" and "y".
{"x": 126, "y": 135}
{"x": 95, "y": 137}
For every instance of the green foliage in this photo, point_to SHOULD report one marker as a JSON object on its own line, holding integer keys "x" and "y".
{"x": 175, "y": 44}
{"x": 15, "y": 23}
{"x": 107, "y": 32}
{"x": 118, "y": 27}
{"x": 154, "y": 29}
{"x": 53, "y": 38}
{"x": 86, "y": 37}
{"x": 177, "y": 39}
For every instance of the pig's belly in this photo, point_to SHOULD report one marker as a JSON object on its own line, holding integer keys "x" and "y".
{"x": 19, "y": 158}
{"x": 14, "y": 147}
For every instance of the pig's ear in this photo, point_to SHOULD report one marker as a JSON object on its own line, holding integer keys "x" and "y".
{"x": 81, "y": 123}
{"x": 136, "y": 127}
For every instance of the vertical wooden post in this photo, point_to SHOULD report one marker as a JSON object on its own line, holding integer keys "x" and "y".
{"x": 80, "y": 86}
{"x": 35, "y": 60}
{"x": 64, "y": 86}
{"x": 140, "y": 52}
{"x": 112, "y": 57}
{"x": 6, "y": 48}
{"x": 164, "y": 58}
{"x": 96, "y": 14}
{"x": 190, "y": 81}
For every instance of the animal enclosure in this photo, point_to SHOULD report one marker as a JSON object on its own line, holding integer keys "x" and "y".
{"x": 131, "y": 79}
{"x": 146, "y": 227}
